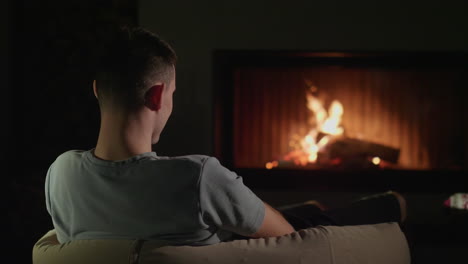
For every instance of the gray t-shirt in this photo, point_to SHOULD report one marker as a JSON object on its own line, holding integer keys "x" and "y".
{"x": 187, "y": 200}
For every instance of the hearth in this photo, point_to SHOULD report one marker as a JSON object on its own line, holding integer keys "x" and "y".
{"x": 306, "y": 114}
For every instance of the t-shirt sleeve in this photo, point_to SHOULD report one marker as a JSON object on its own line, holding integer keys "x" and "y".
{"x": 226, "y": 202}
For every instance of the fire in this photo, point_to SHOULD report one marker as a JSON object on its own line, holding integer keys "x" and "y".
{"x": 326, "y": 124}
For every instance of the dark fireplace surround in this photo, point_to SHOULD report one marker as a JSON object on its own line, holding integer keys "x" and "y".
{"x": 412, "y": 101}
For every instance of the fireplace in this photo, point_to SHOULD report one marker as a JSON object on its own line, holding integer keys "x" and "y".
{"x": 326, "y": 119}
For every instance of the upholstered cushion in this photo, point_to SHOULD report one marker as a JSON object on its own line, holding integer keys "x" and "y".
{"x": 380, "y": 243}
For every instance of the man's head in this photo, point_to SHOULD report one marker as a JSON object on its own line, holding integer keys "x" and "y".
{"x": 136, "y": 72}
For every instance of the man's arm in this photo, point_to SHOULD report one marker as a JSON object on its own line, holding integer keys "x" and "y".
{"x": 274, "y": 224}
{"x": 230, "y": 205}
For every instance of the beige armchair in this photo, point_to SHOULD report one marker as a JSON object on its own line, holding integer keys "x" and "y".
{"x": 380, "y": 243}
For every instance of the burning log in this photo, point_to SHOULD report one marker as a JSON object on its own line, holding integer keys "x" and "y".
{"x": 350, "y": 149}
{"x": 342, "y": 152}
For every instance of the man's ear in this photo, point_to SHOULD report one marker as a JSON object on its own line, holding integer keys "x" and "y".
{"x": 94, "y": 89}
{"x": 153, "y": 97}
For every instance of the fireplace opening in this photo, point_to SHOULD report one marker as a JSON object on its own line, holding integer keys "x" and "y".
{"x": 345, "y": 111}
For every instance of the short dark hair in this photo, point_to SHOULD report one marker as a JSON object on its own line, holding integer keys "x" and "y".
{"x": 130, "y": 61}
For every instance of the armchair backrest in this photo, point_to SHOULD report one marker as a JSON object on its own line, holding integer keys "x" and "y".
{"x": 380, "y": 243}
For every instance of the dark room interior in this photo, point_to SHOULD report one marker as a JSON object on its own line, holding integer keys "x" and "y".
{"x": 394, "y": 73}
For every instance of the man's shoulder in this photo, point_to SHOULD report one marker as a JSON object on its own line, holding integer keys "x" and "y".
{"x": 66, "y": 158}
{"x": 196, "y": 159}
{"x": 73, "y": 152}
{"x": 70, "y": 155}
{"x": 187, "y": 167}
{"x": 203, "y": 163}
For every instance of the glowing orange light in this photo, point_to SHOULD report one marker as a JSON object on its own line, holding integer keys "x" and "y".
{"x": 271, "y": 165}
{"x": 376, "y": 160}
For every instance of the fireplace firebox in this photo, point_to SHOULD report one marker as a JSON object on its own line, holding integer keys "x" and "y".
{"x": 343, "y": 120}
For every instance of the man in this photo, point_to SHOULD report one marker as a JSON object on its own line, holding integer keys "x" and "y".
{"x": 121, "y": 189}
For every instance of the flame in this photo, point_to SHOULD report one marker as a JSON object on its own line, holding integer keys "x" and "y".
{"x": 332, "y": 124}
{"x": 327, "y": 123}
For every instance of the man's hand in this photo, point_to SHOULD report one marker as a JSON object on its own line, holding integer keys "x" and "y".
{"x": 274, "y": 224}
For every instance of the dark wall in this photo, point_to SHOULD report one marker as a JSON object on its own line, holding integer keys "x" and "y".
{"x": 50, "y": 105}
{"x": 4, "y": 72}
{"x": 197, "y": 28}
{"x": 54, "y": 65}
